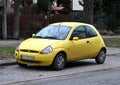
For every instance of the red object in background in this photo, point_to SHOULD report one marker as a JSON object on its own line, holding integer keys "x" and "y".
{"x": 57, "y": 8}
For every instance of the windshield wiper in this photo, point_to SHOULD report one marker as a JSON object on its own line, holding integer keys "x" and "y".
{"x": 48, "y": 37}
{"x": 38, "y": 37}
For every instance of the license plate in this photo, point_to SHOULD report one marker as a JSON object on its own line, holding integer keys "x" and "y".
{"x": 27, "y": 58}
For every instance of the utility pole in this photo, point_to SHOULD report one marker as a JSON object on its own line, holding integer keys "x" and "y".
{"x": 4, "y": 19}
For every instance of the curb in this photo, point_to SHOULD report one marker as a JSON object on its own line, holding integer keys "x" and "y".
{"x": 7, "y": 62}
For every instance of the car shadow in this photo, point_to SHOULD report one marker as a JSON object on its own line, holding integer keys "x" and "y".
{"x": 79, "y": 64}
{"x": 72, "y": 64}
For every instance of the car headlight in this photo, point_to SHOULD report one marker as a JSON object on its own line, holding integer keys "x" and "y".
{"x": 47, "y": 50}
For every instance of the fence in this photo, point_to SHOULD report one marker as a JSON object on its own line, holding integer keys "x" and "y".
{"x": 26, "y": 20}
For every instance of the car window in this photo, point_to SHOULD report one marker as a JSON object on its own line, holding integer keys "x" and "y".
{"x": 59, "y": 32}
{"x": 90, "y": 31}
{"x": 79, "y": 32}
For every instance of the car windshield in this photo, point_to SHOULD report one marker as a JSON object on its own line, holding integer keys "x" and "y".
{"x": 59, "y": 32}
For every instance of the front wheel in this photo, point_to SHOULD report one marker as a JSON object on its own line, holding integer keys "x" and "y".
{"x": 100, "y": 59}
{"x": 59, "y": 62}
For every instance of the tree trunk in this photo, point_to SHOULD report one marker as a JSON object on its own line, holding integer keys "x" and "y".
{"x": 16, "y": 19}
{"x": 88, "y": 11}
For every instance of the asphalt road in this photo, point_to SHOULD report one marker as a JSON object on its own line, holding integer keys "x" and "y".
{"x": 16, "y": 75}
{"x": 107, "y": 77}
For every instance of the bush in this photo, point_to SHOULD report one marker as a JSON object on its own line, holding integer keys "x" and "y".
{"x": 32, "y": 28}
{"x": 0, "y": 32}
{"x": 107, "y": 32}
{"x": 112, "y": 42}
{"x": 43, "y": 6}
{"x": 117, "y": 31}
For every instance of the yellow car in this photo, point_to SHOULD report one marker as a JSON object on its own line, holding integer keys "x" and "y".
{"x": 61, "y": 42}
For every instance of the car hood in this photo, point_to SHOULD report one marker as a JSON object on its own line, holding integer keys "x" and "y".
{"x": 37, "y": 44}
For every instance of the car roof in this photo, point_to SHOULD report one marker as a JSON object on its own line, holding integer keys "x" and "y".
{"x": 71, "y": 24}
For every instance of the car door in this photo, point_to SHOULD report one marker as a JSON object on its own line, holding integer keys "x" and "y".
{"x": 93, "y": 41}
{"x": 80, "y": 49}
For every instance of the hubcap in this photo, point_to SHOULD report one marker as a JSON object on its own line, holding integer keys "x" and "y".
{"x": 60, "y": 61}
{"x": 102, "y": 55}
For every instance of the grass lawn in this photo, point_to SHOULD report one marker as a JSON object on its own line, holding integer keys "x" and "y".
{"x": 6, "y": 52}
{"x": 112, "y": 42}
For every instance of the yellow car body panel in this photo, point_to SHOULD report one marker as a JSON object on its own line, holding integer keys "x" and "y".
{"x": 73, "y": 49}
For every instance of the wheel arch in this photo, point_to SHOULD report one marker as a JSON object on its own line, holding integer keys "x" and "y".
{"x": 63, "y": 52}
{"x": 103, "y": 48}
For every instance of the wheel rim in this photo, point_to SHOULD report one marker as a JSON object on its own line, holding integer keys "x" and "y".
{"x": 60, "y": 61}
{"x": 102, "y": 56}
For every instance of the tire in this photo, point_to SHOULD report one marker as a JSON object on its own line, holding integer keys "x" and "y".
{"x": 100, "y": 59}
{"x": 21, "y": 65}
{"x": 59, "y": 62}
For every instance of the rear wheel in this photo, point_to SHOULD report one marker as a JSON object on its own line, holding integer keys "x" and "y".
{"x": 59, "y": 62}
{"x": 100, "y": 59}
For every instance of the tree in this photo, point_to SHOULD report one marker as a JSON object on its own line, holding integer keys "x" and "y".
{"x": 88, "y": 11}
{"x": 112, "y": 10}
{"x": 16, "y": 19}
{"x": 43, "y": 6}
{"x": 89, "y": 6}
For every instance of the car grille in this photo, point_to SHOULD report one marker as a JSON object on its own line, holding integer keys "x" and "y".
{"x": 30, "y": 51}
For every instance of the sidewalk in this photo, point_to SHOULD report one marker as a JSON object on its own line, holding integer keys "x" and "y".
{"x": 117, "y": 36}
{"x": 110, "y": 51}
{"x": 10, "y": 42}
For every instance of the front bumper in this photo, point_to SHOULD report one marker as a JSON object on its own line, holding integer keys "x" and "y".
{"x": 39, "y": 59}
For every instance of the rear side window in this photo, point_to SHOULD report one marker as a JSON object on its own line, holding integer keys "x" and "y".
{"x": 90, "y": 31}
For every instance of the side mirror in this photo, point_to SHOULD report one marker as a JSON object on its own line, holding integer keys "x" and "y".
{"x": 33, "y": 35}
{"x": 75, "y": 38}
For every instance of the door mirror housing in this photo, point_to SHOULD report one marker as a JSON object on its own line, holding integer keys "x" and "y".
{"x": 33, "y": 35}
